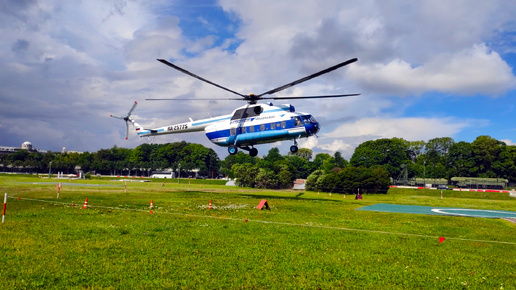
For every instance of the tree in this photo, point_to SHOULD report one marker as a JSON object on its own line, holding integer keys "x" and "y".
{"x": 390, "y": 153}
{"x": 461, "y": 160}
{"x": 319, "y": 160}
{"x": 245, "y": 174}
{"x": 239, "y": 158}
{"x": 339, "y": 160}
{"x": 415, "y": 149}
{"x": 302, "y": 166}
{"x": 436, "y": 157}
{"x": 304, "y": 153}
{"x": 311, "y": 181}
{"x": 487, "y": 152}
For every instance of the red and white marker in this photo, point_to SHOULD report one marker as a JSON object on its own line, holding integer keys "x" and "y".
{"x": 151, "y": 204}
{"x": 85, "y": 204}
{"x": 5, "y": 204}
{"x": 58, "y": 189}
{"x": 209, "y": 206}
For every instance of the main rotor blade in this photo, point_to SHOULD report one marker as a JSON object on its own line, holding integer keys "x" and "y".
{"x": 309, "y": 97}
{"x": 198, "y": 77}
{"x": 307, "y": 78}
{"x": 181, "y": 99}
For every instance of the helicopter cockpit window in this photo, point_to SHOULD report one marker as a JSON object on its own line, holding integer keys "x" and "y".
{"x": 312, "y": 119}
{"x": 297, "y": 122}
{"x": 306, "y": 119}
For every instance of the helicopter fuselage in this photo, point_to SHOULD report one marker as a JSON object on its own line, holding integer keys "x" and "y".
{"x": 247, "y": 126}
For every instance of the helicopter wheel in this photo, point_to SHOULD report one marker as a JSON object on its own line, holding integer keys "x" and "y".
{"x": 232, "y": 149}
{"x": 253, "y": 152}
{"x": 293, "y": 149}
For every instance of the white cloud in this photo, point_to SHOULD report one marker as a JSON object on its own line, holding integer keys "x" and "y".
{"x": 508, "y": 142}
{"x": 406, "y": 128}
{"x": 471, "y": 71}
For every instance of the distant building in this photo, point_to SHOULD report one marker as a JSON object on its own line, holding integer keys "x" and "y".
{"x": 167, "y": 174}
{"x": 4, "y": 150}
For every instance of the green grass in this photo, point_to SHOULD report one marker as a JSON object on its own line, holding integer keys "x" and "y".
{"x": 306, "y": 240}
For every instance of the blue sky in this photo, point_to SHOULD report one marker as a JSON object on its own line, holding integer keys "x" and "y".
{"x": 426, "y": 69}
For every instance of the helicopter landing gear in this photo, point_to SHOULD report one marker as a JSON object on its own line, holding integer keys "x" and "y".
{"x": 232, "y": 149}
{"x": 294, "y": 148}
{"x": 253, "y": 152}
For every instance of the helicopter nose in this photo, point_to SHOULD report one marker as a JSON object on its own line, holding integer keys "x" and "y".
{"x": 312, "y": 129}
{"x": 316, "y": 128}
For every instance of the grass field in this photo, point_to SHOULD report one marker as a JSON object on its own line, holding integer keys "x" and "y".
{"x": 306, "y": 240}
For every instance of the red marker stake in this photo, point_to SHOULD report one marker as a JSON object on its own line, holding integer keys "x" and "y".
{"x": 441, "y": 239}
{"x": 5, "y": 204}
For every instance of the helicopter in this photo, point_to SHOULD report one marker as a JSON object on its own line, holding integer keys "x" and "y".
{"x": 248, "y": 125}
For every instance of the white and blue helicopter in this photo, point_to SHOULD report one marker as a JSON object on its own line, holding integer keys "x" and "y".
{"x": 249, "y": 125}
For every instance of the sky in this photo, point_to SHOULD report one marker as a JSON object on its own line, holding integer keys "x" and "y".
{"x": 425, "y": 69}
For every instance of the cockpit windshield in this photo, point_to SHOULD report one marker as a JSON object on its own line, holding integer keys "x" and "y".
{"x": 308, "y": 119}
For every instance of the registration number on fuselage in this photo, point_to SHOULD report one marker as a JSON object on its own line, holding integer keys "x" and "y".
{"x": 177, "y": 127}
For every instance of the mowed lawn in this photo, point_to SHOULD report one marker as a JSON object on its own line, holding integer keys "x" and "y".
{"x": 306, "y": 240}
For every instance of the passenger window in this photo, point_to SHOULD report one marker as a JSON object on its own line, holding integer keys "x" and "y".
{"x": 273, "y": 126}
{"x": 251, "y": 129}
{"x": 233, "y": 131}
{"x": 262, "y": 127}
{"x": 243, "y": 130}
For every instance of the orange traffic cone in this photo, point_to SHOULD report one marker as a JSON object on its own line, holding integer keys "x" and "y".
{"x": 85, "y": 204}
{"x": 151, "y": 204}
{"x": 209, "y": 206}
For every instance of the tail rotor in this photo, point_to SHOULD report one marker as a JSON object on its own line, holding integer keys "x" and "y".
{"x": 127, "y": 119}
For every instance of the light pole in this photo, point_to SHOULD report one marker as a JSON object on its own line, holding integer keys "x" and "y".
{"x": 50, "y": 169}
{"x": 424, "y": 173}
{"x": 179, "y": 173}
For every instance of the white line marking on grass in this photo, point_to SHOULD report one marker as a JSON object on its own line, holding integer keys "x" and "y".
{"x": 281, "y": 223}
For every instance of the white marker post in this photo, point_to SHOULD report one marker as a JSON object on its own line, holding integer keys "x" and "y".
{"x": 5, "y": 203}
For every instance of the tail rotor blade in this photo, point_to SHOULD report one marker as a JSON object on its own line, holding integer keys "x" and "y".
{"x": 127, "y": 119}
{"x": 132, "y": 109}
{"x": 117, "y": 117}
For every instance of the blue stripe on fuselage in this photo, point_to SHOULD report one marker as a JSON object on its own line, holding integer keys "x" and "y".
{"x": 210, "y": 121}
{"x": 218, "y": 134}
{"x": 149, "y": 132}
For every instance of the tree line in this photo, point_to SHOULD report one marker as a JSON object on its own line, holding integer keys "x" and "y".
{"x": 485, "y": 157}
{"x": 437, "y": 158}
{"x": 140, "y": 161}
